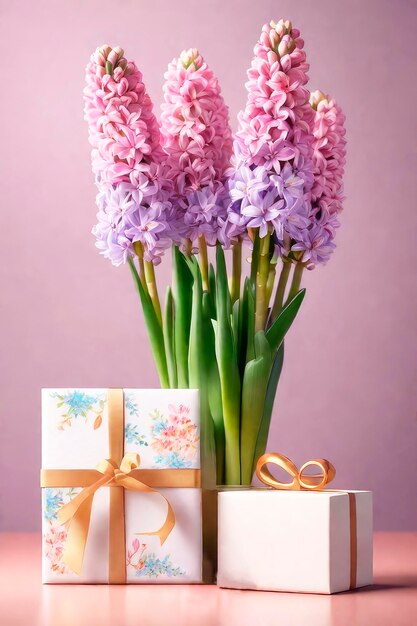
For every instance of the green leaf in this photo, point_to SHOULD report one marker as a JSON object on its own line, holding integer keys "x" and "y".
{"x": 223, "y": 298}
{"x": 235, "y": 326}
{"x": 213, "y": 385}
{"x": 154, "y": 328}
{"x": 250, "y": 325}
{"x": 269, "y": 405}
{"x": 282, "y": 324}
{"x": 212, "y": 283}
{"x": 169, "y": 338}
{"x": 262, "y": 347}
{"x": 182, "y": 294}
{"x": 228, "y": 371}
{"x": 243, "y": 327}
{"x": 198, "y": 378}
{"x": 255, "y": 382}
{"x": 196, "y": 355}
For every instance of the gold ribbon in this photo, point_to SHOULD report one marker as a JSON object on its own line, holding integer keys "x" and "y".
{"x": 311, "y": 482}
{"x": 76, "y": 514}
{"x": 299, "y": 479}
{"x": 119, "y": 473}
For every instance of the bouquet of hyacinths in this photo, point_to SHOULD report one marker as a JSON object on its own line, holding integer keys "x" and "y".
{"x": 183, "y": 183}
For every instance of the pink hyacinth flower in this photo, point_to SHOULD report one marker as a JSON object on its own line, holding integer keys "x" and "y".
{"x": 196, "y": 135}
{"x": 329, "y": 153}
{"x": 277, "y": 121}
{"x": 123, "y": 129}
{"x": 314, "y": 244}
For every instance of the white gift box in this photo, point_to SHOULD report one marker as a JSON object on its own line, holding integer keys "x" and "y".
{"x": 162, "y": 426}
{"x": 300, "y": 541}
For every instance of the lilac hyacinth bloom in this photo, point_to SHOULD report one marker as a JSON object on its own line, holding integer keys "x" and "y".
{"x": 232, "y": 227}
{"x": 145, "y": 224}
{"x": 264, "y": 210}
{"x": 246, "y": 180}
{"x": 316, "y": 245}
{"x": 266, "y": 198}
{"x": 289, "y": 185}
{"x": 201, "y": 212}
{"x": 128, "y": 215}
{"x": 116, "y": 201}
{"x": 110, "y": 241}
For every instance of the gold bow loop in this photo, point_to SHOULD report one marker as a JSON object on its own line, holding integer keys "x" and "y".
{"x": 76, "y": 514}
{"x": 300, "y": 480}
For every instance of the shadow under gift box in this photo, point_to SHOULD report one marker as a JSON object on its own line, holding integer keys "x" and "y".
{"x": 295, "y": 541}
{"x": 163, "y": 428}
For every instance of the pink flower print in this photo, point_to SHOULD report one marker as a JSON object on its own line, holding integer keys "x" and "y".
{"x": 175, "y": 438}
{"x": 54, "y": 542}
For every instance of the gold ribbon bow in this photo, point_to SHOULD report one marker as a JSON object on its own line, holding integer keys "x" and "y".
{"x": 76, "y": 513}
{"x": 299, "y": 479}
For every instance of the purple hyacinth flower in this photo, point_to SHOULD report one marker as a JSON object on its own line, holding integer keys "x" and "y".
{"x": 263, "y": 211}
{"x": 146, "y": 223}
{"x": 316, "y": 245}
{"x": 289, "y": 186}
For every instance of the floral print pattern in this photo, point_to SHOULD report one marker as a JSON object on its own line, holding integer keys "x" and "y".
{"x": 175, "y": 438}
{"x": 130, "y": 404}
{"x": 133, "y": 436}
{"x": 147, "y": 564}
{"x": 55, "y": 534}
{"x": 77, "y": 403}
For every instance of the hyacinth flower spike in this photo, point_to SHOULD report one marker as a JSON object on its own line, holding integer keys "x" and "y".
{"x": 197, "y": 141}
{"x": 311, "y": 243}
{"x": 134, "y": 193}
{"x": 273, "y": 152}
{"x": 196, "y": 137}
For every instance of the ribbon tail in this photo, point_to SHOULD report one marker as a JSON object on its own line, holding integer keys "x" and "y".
{"x": 166, "y": 527}
{"x": 75, "y": 515}
{"x": 136, "y": 485}
{"x": 77, "y": 534}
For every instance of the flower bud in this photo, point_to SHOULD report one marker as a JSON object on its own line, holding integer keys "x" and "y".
{"x": 112, "y": 58}
{"x": 119, "y": 51}
{"x": 316, "y": 97}
{"x": 101, "y": 55}
{"x": 190, "y": 56}
{"x": 283, "y": 48}
{"x": 274, "y": 39}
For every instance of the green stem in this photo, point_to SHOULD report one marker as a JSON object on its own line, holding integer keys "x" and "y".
{"x": 271, "y": 278}
{"x": 236, "y": 271}
{"x": 255, "y": 254}
{"x": 153, "y": 327}
{"x": 202, "y": 247}
{"x": 152, "y": 289}
{"x": 282, "y": 284}
{"x": 138, "y": 247}
{"x": 261, "y": 282}
{"x": 188, "y": 246}
{"x": 296, "y": 281}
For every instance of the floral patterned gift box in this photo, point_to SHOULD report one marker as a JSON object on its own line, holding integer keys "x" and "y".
{"x": 162, "y": 427}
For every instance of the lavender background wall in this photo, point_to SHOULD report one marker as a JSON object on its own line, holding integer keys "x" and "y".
{"x": 70, "y": 319}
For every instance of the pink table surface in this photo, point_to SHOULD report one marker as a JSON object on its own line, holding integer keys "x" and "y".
{"x": 392, "y": 601}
